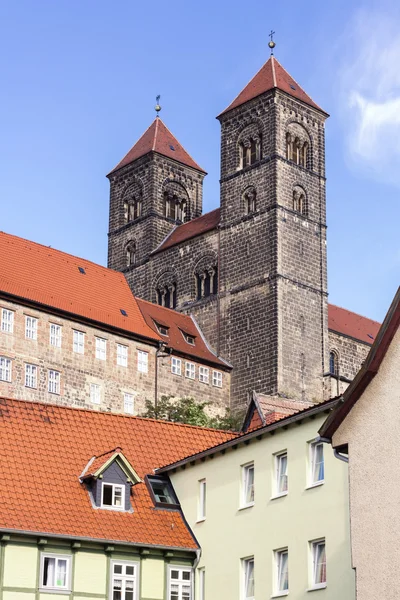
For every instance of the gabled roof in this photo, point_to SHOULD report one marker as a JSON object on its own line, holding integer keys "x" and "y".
{"x": 50, "y": 278}
{"x": 367, "y": 372}
{"x": 177, "y": 324}
{"x": 42, "y": 452}
{"x": 191, "y": 229}
{"x": 98, "y": 464}
{"x": 158, "y": 138}
{"x": 263, "y": 410}
{"x": 348, "y": 323}
{"x": 271, "y": 76}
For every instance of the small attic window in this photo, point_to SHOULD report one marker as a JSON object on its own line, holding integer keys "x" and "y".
{"x": 112, "y": 496}
{"x": 292, "y": 86}
{"x": 162, "y": 491}
{"x": 370, "y": 336}
{"x": 123, "y": 312}
{"x": 171, "y": 147}
{"x": 190, "y": 339}
{"x": 163, "y": 329}
{"x": 82, "y": 270}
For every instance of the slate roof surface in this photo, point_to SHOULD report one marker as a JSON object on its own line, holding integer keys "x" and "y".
{"x": 158, "y": 138}
{"x": 43, "y": 450}
{"x": 191, "y": 229}
{"x": 178, "y": 323}
{"x": 349, "y": 323}
{"x": 271, "y": 75}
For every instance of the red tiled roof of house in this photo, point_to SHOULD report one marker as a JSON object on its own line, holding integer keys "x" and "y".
{"x": 43, "y": 450}
{"x": 178, "y": 323}
{"x": 349, "y": 323}
{"x": 99, "y": 461}
{"x": 158, "y": 138}
{"x": 191, "y": 229}
{"x": 271, "y": 75}
{"x": 52, "y": 278}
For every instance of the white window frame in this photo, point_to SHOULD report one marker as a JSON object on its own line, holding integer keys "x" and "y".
{"x": 122, "y": 355}
{"x": 7, "y": 320}
{"x": 143, "y": 361}
{"x": 129, "y": 399}
{"x": 278, "y": 474}
{"x": 114, "y": 486}
{"x": 204, "y": 375}
{"x": 312, "y": 482}
{"x": 190, "y": 370}
{"x": 180, "y": 582}
{"x": 245, "y": 469}
{"x": 202, "y": 583}
{"x": 217, "y": 379}
{"x": 78, "y": 342}
{"x": 31, "y": 327}
{"x": 202, "y": 500}
{"x": 101, "y": 348}
{"x": 278, "y": 570}
{"x": 95, "y": 393}
{"x": 245, "y": 565}
{"x": 313, "y": 546}
{"x": 54, "y": 381}
{"x": 57, "y": 588}
{"x": 5, "y": 369}
{"x": 176, "y": 365}
{"x": 124, "y": 578}
{"x": 31, "y": 376}
{"x": 55, "y": 335}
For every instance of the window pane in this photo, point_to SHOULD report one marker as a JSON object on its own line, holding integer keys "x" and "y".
{"x": 130, "y": 570}
{"x": 318, "y": 462}
{"x": 249, "y": 578}
{"x": 118, "y": 569}
{"x": 283, "y": 578}
{"x": 249, "y": 484}
{"x": 49, "y": 571}
{"x": 174, "y": 574}
{"x": 174, "y": 592}
{"x": 61, "y": 576}
{"x": 117, "y": 496}
{"x": 320, "y": 563}
{"x": 107, "y": 495}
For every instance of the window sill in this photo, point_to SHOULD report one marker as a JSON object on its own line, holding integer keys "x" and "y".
{"x": 280, "y": 594}
{"x": 314, "y": 485}
{"x": 281, "y": 495}
{"x": 320, "y": 586}
{"x": 246, "y": 506}
{"x": 43, "y": 590}
{"x": 200, "y": 520}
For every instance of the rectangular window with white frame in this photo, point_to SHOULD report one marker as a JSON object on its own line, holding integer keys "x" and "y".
{"x": 201, "y": 504}
{"x": 124, "y": 580}
{"x": 317, "y": 466}
{"x": 7, "y": 320}
{"x": 176, "y": 366}
{"x": 95, "y": 393}
{"x": 5, "y": 368}
{"x": 202, "y": 584}
{"x": 129, "y": 403}
{"x": 55, "y": 572}
{"x": 318, "y": 564}
{"x": 204, "y": 374}
{"x": 31, "y": 327}
{"x": 101, "y": 348}
{"x": 55, "y": 335}
{"x": 180, "y": 583}
{"x": 281, "y": 474}
{"x": 78, "y": 342}
{"x": 112, "y": 496}
{"x": 281, "y": 559}
{"x": 248, "y": 578}
{"x": 247, "y": 485}
{"x": 31, "y": 376}
{"x": 54, "y": 382}
{"x": 143, "y": 361}
{"x": 217, "y": 379}
{"x": 122, "y": 355}
{"x": 190, "y": 370}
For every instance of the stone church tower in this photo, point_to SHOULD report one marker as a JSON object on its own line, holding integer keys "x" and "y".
{"x": 253, "y": 273}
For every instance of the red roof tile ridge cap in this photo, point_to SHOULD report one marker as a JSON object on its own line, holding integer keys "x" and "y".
{"x": 354, "y": 313}
{"x": 116, "y": 449}
{"x": 156, "y": 133}
{"x": 184, "y": 149}
{"x": 273, "y": 70}
{"x": 306, "y": 93}
{"x": 103, "y": 413}
{"x": 158, "y": 306}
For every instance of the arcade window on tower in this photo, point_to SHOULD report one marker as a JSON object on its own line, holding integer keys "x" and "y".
{"x": 207, "y": 283}
{"x": 132, "y": 209}
{"x": 175, "y": 208}
{"x": 166, "y": 295}
{"x": 296, "y": 150}
{"x": 250, "y": 151}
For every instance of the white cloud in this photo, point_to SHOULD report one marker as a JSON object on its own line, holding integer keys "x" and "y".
{"x": 370, "y": 92}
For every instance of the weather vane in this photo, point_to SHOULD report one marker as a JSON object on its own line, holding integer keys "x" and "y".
{"x": 271, "y": 43}
{"x": 157, "y": 107}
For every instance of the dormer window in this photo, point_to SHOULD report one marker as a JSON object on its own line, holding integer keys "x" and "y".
{"x": 190, "y": 339}
{"x": 163, "y": 329}
{"x": 162, "y": 491}
{"x": 112, "y": 496}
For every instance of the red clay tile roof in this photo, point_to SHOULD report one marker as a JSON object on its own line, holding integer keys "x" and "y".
{"x": 99, "y": 461}
{"x": 43, "y": 449}
{"x": 52, "y": 278}
{"x": 271, "y": 75}
{"x": 264, "y": 409}
{"x": 191, "y": 229}
{"x": 176, "y": 323}
{"x": 349, "y": 323}
{"x": 158, "y": 138}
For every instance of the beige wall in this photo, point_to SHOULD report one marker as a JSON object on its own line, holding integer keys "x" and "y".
{"x": 372, "y": 431}
{"x": 229, "y": 534}
{"x": 78, "y": 371}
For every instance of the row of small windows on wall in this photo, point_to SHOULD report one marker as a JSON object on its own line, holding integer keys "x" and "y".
{"x": 132, "y": 209}
{"x": 250, "y": 151}
{"x": 174, "y": 207}
{"x": 190, "y": 372}
{"x": 56, "y": 577}
{"x": 166, "y": 296}
{"x": 206, "y": 285}
{"x": 297, "y": 150}
{"x": 78, "y": 340}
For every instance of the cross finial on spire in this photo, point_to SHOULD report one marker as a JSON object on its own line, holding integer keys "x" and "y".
{"x": 157, "y": 107}
{"x": 271, "y": 43}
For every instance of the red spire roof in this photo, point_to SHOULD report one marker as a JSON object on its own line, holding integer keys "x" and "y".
{"x": 158, "y": 138}
{"x": 271, "y": 75}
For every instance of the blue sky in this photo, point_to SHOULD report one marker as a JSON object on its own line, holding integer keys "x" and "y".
{"x": 79, "y": 80}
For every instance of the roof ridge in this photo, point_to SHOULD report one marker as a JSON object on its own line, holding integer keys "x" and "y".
{"x": 354, "y": 313}
{"x": 273, "y": 70}
{"x": 157, "y": 120}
